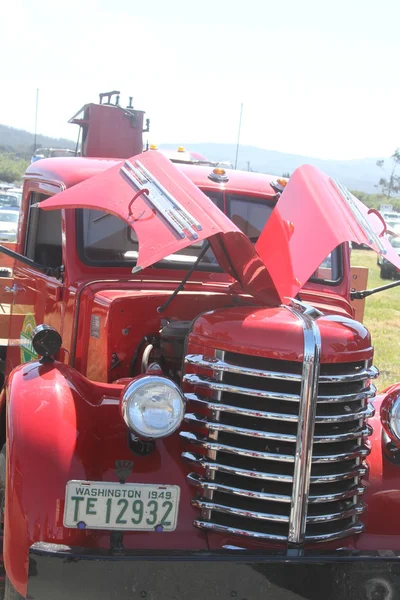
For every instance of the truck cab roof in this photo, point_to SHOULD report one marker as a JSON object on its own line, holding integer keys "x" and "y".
{"x": 71, "y": 171}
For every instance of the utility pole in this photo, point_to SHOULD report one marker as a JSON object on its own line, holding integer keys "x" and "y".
{"x": 248, "y": 165}
{"x": 36, "y": 116}
{"x": 238, "y": 140}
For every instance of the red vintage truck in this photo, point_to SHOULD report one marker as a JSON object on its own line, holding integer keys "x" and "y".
{"x": 189, "y": 407}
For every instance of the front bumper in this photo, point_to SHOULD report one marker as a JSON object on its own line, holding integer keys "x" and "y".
{"x": 64, "y": 573}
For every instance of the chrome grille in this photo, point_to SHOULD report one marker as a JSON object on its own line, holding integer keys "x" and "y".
{"x": 242, "y": 422}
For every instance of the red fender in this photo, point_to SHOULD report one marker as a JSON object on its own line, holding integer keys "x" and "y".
{"x": 61, "y": 426}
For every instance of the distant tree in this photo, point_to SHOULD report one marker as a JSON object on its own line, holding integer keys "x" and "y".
{"x": 11, "y": 168}
{"x": 390, "y": 187}
{"x": 286, "y": 175}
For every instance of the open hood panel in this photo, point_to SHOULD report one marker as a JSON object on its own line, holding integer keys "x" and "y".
{"x": 313, "y": 216}
{"x": 168, "y": 213}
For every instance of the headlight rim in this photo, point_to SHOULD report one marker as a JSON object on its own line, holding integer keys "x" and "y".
{"x": 136, "y": 384}
{"x": 393, "y": 408}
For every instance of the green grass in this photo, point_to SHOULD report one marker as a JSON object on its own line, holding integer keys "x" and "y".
{"x": 382, "y": 318}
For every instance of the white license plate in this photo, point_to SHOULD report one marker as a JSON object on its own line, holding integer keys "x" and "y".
{"x": 128, "y": 506}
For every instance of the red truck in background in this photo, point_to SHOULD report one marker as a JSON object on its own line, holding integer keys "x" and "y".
{"x": 189, "y": 406}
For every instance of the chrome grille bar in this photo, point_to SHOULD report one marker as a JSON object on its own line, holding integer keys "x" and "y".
{"x": 219, "y": 365}
{"x": 247, "y": 415}
{"x": 212, "y": 384}
{"x": 251, "y": 514}
{"x": 192, "y": 438}
{"x": 364, "y": 413}
{"x": 361, "y": 451}
{"x": 270, "y": 435}
{"x": 201, "y": 462}
{"x": 305, "y": 430}
{"x": 327, "y": 537}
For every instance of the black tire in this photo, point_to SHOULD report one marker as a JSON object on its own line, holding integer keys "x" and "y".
{"x": 385, "y": 273}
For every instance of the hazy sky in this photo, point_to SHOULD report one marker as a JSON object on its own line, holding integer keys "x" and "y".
{"x": 317, "y": 77}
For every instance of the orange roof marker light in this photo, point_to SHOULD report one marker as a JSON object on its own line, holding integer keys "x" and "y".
{"x": 279, "y": 185}
{"x": 218, "y": 175}
{"x": 153, "y": 147}
{"x": 181, "y": 149}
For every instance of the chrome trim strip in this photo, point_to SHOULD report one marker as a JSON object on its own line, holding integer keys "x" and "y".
{"x": 235, "y": 531}
{"x": 238, "y": 512}
{"x": 237, "y": 410}
{"x": 344, "y": 437}
{"x": 207, "y": 363}
{"x": 364, "y": 394}
{"x": 203, "y": 442}
{"x": 355, "y": 529}
{"x": 201, "y": 361}
{"x": 211, "y": 384}
{"x": 198, "y": 481}
{"x": 207, "y": 382}
{"x": 355, "y": 509}
{"x": 211, "y": 453}
{"x": 305, "y": 430}
{"x": 365, "y": 413}
{"x": 201, "y": 462}
{"x": 355, "y": 490}
{"x": 265, "y": 435}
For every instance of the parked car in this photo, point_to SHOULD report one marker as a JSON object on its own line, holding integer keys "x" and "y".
{"x": 8, "y": 225}
{"x": 388, "y": 270}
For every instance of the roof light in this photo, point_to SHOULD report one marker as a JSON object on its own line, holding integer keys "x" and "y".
{"x": 153, "y": 147}
{"x": 218, "y": 175}
{"x": 181, "y": 149}
{"x": 279, "y": 185}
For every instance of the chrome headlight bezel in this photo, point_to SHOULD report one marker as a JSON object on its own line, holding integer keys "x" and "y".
{"x": 133, "y": 414}
{"x": 394, "y": 418}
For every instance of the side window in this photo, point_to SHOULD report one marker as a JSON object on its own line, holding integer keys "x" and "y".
{"x": 43, "y": 242}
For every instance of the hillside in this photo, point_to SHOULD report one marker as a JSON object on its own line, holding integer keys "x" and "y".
{"x": 20, "y": 142}
{"x": 360, "y": 174}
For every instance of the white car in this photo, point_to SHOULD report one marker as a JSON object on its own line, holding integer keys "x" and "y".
{"x": 8, "y": 225}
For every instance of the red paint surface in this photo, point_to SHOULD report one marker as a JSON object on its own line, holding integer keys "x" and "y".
{"x": 63, "y": 426}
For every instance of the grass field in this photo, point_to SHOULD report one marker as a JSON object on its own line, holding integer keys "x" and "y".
{"x": 382, "y": 318}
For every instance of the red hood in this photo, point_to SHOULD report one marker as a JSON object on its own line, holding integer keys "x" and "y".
{"x": 311, "y": 218}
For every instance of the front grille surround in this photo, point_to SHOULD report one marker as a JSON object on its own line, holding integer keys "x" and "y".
{"x": 243, "y": 474}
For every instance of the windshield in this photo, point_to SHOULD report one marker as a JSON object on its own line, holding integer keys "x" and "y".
{"x": 395, "y": 242}
{"x": 107, "y": 240}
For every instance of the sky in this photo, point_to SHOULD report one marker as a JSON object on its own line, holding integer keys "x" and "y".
{"x": 316, "y": 77}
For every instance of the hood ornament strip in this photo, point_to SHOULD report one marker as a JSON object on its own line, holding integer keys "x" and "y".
{"x": 141, "y": 180}
{"x": 305, "y": 430}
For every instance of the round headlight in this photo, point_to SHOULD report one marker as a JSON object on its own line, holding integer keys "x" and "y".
{"x": 153, "y": 407}
{"x": 394, "y": 418}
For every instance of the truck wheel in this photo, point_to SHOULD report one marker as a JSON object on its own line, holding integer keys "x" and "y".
{"x": 385, "y": 274}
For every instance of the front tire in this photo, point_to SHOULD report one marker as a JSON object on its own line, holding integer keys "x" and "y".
{"x": 385, "y": 273}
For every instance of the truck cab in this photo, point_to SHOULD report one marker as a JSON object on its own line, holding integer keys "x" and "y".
{"x": 189, "y": 401}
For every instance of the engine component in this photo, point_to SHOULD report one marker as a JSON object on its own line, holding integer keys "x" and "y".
{"x": 172, "y": 342}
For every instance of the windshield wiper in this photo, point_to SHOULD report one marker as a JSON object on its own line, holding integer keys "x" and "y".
{"x": 365, "y": 293}
{"x": 181, "y": 286}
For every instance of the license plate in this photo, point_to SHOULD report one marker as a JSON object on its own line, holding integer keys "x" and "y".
{"x": 128, "y": 506}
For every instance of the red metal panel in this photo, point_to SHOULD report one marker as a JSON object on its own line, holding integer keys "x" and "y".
{"x": 309, "y": 221}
